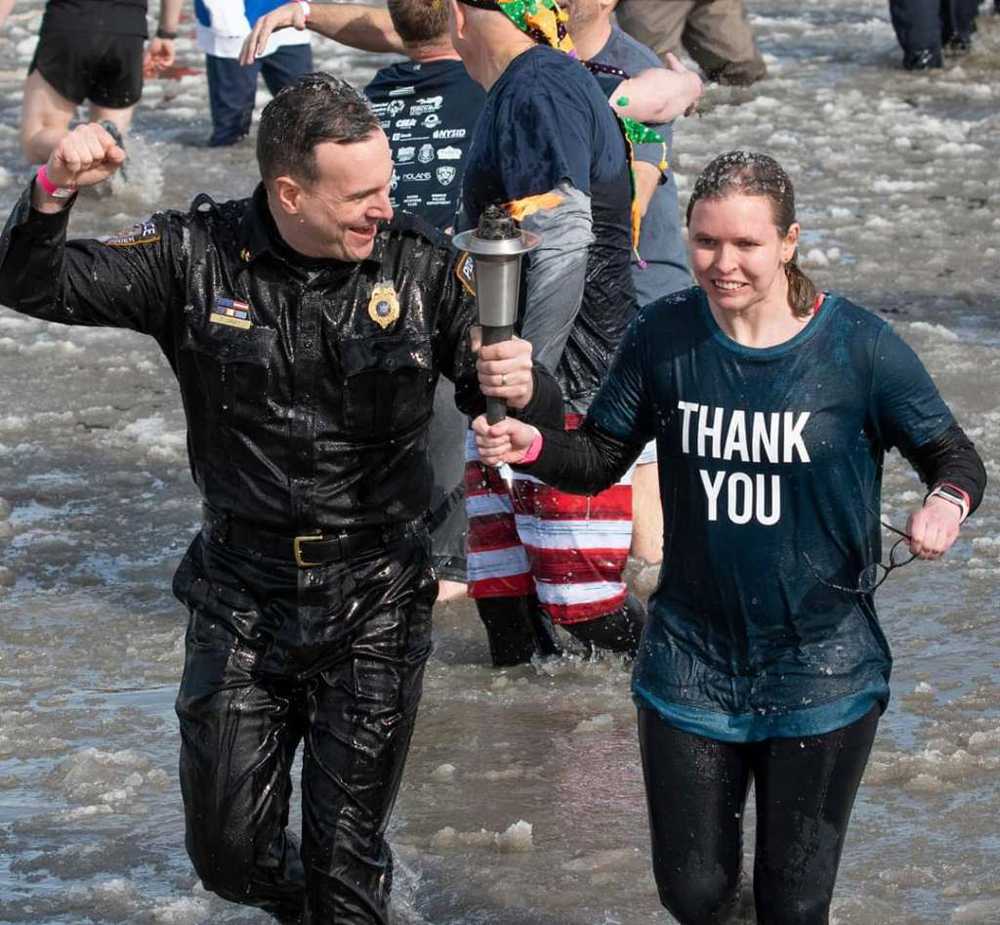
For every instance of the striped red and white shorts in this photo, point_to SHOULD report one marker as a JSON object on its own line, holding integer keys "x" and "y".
{"x": 527, "y": 538}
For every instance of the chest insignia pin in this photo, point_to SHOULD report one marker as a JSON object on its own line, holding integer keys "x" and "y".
{"x": 383, "y": 307}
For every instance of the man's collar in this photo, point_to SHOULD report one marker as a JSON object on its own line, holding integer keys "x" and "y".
{"x": 258, "y": 225}
{"x": 253, "y": 234}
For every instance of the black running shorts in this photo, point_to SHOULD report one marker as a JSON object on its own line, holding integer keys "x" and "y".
{"x": 98, "y": 66}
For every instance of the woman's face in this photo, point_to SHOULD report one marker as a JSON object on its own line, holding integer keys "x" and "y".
{"x": 738, "y": 255}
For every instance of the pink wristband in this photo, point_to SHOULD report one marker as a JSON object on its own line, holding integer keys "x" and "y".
{"x": 534, "y": 451}
{"x": 57, "y": 192}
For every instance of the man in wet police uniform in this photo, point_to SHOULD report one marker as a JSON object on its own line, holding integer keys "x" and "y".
{"x": 307, "y": 327}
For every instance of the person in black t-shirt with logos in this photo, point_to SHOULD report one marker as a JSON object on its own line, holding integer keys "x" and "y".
{"x": 428, "y": 106}
{"x": 90, "y": 51}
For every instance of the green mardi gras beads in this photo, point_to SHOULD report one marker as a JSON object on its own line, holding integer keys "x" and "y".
{"x": 638, "y": 133}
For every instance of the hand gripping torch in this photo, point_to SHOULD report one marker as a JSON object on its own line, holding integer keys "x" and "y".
{"x": 497, "y": 247}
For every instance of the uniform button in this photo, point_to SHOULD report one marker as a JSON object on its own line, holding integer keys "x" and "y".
{"x": 307, "y": 343}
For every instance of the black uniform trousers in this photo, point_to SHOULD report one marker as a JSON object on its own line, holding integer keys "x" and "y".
{"x": 333, "y": 657}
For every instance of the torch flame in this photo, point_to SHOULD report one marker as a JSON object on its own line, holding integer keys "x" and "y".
{"x": 519, "y": 208}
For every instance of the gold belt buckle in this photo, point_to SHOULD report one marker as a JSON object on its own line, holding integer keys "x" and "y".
{"x": 297, "y": 548}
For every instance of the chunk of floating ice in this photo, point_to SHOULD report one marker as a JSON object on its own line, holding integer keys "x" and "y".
{"x": 815, "y": 257}
{"x": 984, "y": 740}
{"x": 923, "y": 688}
{"x": 506, "y": 774}
{"x": 978, "y": 911}
{"x": 939, "y": 330}
{"x": 597, "y": 724}
{"x": 611, "y": 859}
{"x": 181, "y": 912}
{"x": 517, "y": 837}
{"x": 92, "y": 775}
{"x": 928, "y": 783}
{"x": 443, "y": 772}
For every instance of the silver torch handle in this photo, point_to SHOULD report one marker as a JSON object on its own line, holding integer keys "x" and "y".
{"x": 497, "y": 270}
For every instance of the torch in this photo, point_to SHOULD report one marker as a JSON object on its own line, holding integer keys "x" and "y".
{"x": 497, "y": 247}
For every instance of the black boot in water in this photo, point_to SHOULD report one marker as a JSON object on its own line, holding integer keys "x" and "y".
{"x": 618, "y": 631}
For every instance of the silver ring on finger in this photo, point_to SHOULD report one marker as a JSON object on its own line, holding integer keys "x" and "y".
{"x": 503, "y": 378}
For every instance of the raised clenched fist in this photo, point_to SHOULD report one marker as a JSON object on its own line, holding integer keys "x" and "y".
{"x": 84, "y": 157}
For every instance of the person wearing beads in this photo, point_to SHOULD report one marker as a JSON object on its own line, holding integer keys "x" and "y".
{"x": 773, "y": 407}
{"x": 222, "y": 26}
{"x": 90, "y": 51}
{"x": 534, "y": 554}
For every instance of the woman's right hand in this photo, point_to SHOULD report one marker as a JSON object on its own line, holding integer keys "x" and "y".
{"x": 504, "y": 442}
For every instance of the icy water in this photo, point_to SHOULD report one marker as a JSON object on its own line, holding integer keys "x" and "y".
{"x": 522, "y": 803}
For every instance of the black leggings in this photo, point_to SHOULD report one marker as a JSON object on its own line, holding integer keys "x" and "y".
{"x": 696, "y": 790}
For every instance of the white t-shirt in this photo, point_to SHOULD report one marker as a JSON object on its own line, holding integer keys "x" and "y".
{"x": 224, "y": 24}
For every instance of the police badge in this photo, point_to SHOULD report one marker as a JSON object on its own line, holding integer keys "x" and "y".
{"x": 383, "y": 307}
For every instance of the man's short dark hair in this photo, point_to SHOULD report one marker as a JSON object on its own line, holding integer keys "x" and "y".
{"x": 419, "y": 22}
{"x": 314, "y": 109}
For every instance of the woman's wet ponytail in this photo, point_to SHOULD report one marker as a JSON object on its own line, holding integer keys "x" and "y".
{"x": 801, "y": 290}
{"x": 752, "y": 174}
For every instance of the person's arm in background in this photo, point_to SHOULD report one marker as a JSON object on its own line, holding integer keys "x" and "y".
{"x": 658, "y": 94}
{"x": 5, "y": 7}
{"x": 160, "y": 52}
{"x": 556, "y": 273}
{"x": 367, "y": 28}
{"x": 647, "y": 178}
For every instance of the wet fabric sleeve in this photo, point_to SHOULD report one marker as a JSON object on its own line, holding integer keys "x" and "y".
{"x": 951, "y": 458}
{"x": 614, "y": 433}
{"x": 906, "y": 409}
{"x": 557, "y": 271}
{"x": 584, "y": 461}
{"x": 123, "y": 281}
{"x": 912, "y": 416}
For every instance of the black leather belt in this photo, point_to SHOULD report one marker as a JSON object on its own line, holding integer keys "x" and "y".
{"x": 307, "y": 550}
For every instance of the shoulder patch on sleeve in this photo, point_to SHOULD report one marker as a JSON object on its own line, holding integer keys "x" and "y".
{"x": 141, "y": 233}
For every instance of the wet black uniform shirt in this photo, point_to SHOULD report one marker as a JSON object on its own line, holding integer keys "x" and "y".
{"x": 307, "y": 384}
